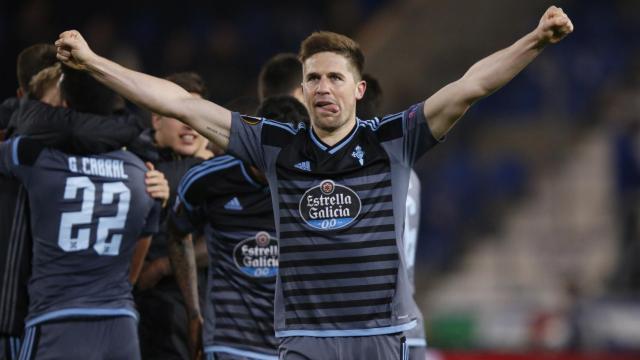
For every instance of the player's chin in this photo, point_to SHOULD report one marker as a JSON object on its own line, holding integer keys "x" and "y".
{"x": 186, "y": 150}
{"x": 328, "y": 117}
{"x": 326, "y": 122}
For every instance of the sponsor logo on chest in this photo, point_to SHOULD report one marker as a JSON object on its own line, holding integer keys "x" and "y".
{"x": 257, "y": 256}
{"x": 329, "y": 206}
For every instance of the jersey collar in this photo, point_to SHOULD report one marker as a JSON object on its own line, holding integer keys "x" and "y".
{"x": 337, "y": 146}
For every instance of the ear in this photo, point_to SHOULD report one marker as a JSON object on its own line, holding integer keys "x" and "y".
{"x": 361, "y": 87}
{"x": 299, "y": 94}
{"x": 19, "y": 92}
{"x": 155, "y": 121}
{"x": 65, "y": 104}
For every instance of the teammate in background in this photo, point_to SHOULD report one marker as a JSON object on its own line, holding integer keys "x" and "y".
{"x": 230, "y": 201}
{"x": 224, "y": 199}
{"x": 90, "y": 214}
{"x": 339, "y": 188}
{"x": 281, "y": 75}
{"x": 31, "y": 61}
{"x": 173, "y": 148}
{"x": 367, "y": 108}
{"x": 283, "y": 107}
{"x": 15, "y": 236}
{"x": 78, "y": 133}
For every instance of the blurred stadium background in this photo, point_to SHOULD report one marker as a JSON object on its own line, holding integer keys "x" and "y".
{"x": 529, "y": 243}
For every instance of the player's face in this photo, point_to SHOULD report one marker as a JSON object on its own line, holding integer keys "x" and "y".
{"x": 173, "y": 134}
{"x": 331, "y": 89}
{"x": 179, "y": 137}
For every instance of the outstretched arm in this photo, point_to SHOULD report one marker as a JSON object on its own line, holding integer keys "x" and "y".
{"x": 446, "y": 106}
{"x": 155, "y": 94}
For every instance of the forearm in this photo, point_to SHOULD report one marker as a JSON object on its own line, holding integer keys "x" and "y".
{"x": 443, "y": 109}
{"x": 165, "y": 98}
{"x": 152, "y": 93}
{"x": 202, "y": 257}
{"x": 497, "y": 69}
{"x": 182, "y": 256}
{"x": 76, "y": 132}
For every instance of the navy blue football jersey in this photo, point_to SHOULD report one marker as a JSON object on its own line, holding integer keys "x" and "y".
{"x": 234, "y": 210}
{"x": 340, "y": 213}
{"x": 87, "y": 213}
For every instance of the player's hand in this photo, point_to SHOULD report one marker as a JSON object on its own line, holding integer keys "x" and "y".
{"x": 152, "y": 272}
{"x": 195, "y": 336}
{"x": 157, "y": 184}
{"x": 73, "y": 50}
{"x": 554, "y": 26}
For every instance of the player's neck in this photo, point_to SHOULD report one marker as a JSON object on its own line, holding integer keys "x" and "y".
{"x": 334, "y": 136}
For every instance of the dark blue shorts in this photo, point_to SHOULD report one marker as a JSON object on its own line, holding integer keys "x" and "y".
{"x": 82, "y": 339}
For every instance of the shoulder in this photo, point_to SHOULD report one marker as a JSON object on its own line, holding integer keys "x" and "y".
{"x": 208, "y": 167}
{"x": 25, "y": 150}
{"x": 386, "y": 128}
{"x": 278, "y": 133}
{"x": 393, "y": 126}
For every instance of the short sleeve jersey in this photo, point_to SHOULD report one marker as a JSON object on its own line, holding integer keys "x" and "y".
{"x": 87, "y": 213}
{"x": 221, "y": 198}
{"x": 340, "y": 213}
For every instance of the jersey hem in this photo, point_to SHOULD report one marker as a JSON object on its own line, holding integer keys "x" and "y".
{"x": 352, "y": 332}
{"x": 80, "y": 312}
{"x": 234, "y": 351}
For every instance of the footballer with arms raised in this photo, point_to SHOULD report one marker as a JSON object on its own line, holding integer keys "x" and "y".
{"x": 339, "y": 186}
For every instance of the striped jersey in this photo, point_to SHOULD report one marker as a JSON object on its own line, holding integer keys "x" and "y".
{"x": 223, "y": 199}
{"x": 15, "y": 256}
{"x": 87, "y": 213}
{"x": 339, "y": 214}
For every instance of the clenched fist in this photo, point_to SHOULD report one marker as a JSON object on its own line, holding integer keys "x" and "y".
{"x": 73, "y": 50}
{"x": 554, "y": 26}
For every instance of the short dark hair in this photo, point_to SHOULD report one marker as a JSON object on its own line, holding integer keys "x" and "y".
{"x": 369, "y": 106}
{"x": 322, "y": 41}
{"x": 190, "y": 81}
{"x": 281, "y": 75}
{"x": 246, "y": 105}
{"x": 85, "y": 94}
{"x": 283, "y": 108}
{"x": 32, "y": 60}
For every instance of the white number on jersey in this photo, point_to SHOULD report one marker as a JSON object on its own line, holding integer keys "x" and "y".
{"x": 84, "y": 217}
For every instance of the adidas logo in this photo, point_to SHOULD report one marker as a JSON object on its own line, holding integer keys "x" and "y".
{"x": 233, "y": 204}
{"x": 305, "y": 165}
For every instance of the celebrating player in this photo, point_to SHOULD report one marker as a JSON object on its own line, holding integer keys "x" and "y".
{"x": 339, "y": 187}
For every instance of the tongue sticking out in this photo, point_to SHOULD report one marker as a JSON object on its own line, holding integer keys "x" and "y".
{"x": 333, "y": 108}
